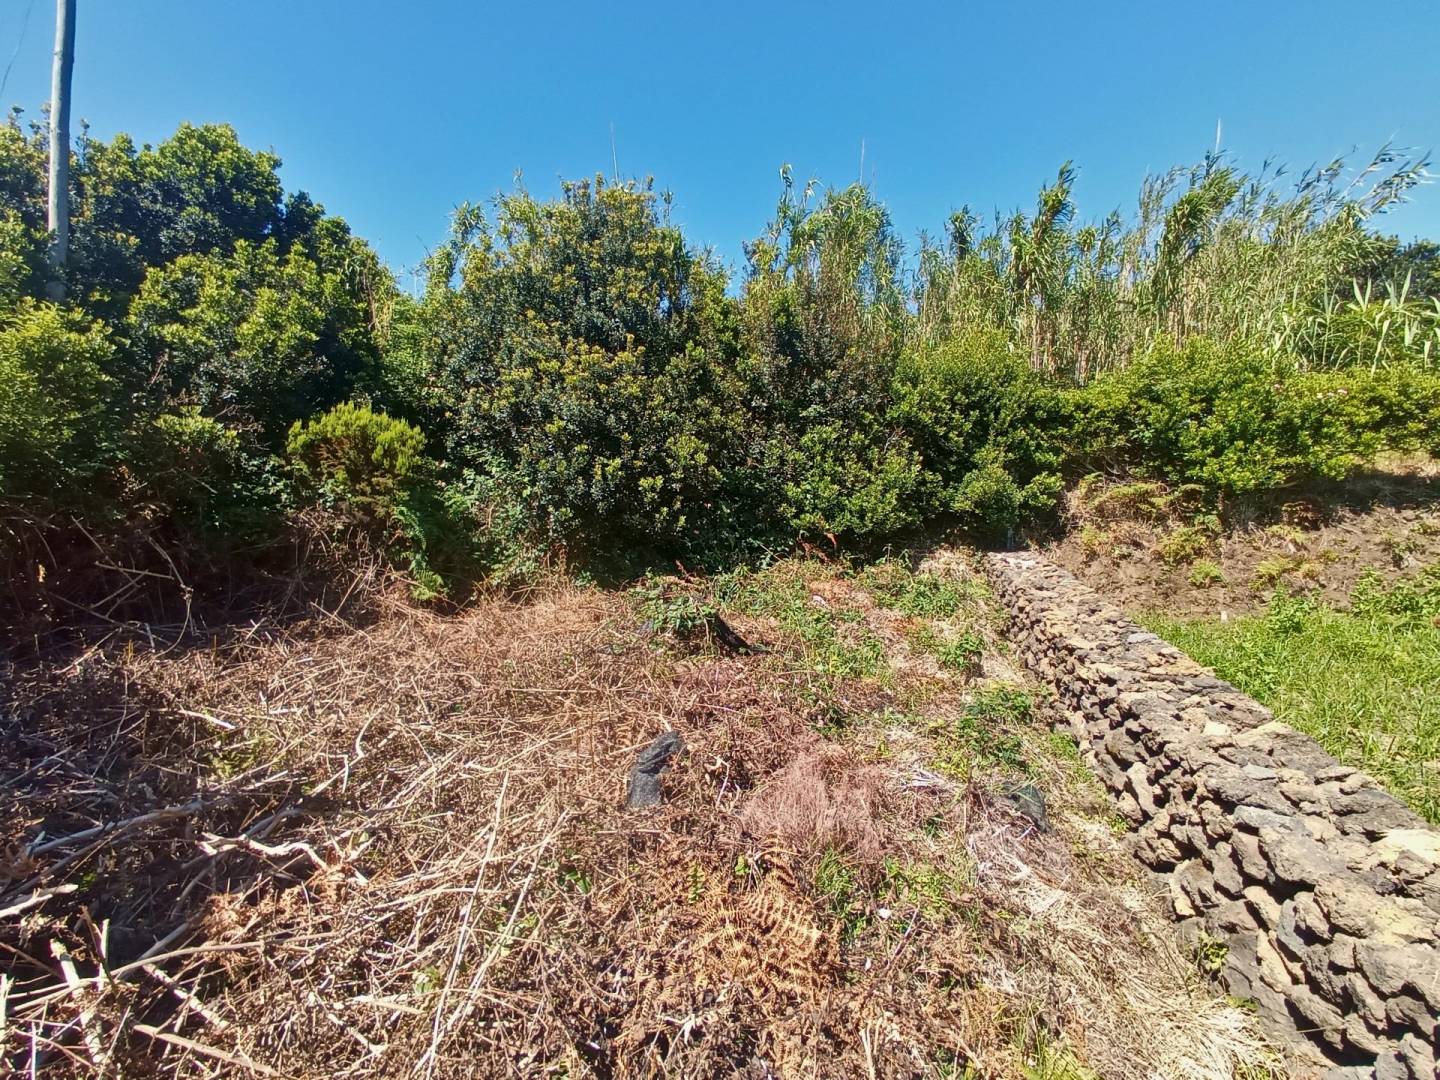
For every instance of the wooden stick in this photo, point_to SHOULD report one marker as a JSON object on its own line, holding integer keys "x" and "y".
{"x": 208, "y": 1051}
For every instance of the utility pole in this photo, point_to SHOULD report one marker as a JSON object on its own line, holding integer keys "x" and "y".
{"x": 59, "y": 222}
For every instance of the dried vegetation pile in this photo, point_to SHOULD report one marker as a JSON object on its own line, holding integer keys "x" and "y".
{"x": 400, "y": 848}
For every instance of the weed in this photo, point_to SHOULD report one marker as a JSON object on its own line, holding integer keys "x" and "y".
{"x": 1094, "y": 541}
{"x": 1184, "y": 544}
{"x": 673, "y": 612}
{"x": 837, "y": 884}
{"x": 927, "y": 596}
{"x": 1204, "y": 573}
{"x": 576, "y": 879}
{"x": 1287, "y": 533}
{"x": 1210, "y": 954}
{"x": 835, "y": 641}
{"x": 1052, "y": 1059}
{"x": 1400, "y": 547}
{"x": 979, "y": 735}
{"x": 695, "y": 883}
{"x": 1003, "y": 703}
{"x": 1270, "y": 571}
{"x": 934, "y": 890}
{"x": 1142, "y": 500}
{"x": 961, "y": 653}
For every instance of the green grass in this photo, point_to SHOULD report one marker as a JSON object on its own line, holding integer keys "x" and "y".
{"x": 834, "y": 640}
{"x": 985, "y": 734}
{"x": 928, "y": 596}
{"x": 1364, "y": 681}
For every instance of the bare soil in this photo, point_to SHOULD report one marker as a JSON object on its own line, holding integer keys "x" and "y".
{"x": 1322, "y": 543}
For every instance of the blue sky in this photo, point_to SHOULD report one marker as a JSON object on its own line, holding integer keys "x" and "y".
{"x": 392, "y": 113}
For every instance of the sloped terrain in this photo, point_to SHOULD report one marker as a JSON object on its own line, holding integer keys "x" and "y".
{"x": 401, "y": 848}
{"x": 1150, "y": 558}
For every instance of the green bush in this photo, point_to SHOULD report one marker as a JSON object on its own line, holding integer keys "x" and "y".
{"x": 585, "y": 354}
{"x": 55, "y": 424}
{"x": 987, "y": 428}
{"x": 207, "y": 477}
{"x": 1236, "y": 424}
{"x": 358, "y": 458}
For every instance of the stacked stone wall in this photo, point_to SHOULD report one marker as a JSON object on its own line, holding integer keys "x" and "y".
{"x": 1314, "y": 893}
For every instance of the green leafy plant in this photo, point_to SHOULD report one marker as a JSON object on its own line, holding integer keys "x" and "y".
{"x": 356, "y": 456}
{"x": 1204, "y": 573}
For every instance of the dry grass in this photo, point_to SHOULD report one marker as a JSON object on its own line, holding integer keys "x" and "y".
{"x": 400, "y": 849}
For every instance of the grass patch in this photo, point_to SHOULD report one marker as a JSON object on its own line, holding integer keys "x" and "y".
{"x": 984, "y": 734}
{"x": 923, "y": 596}
{"x": 833, "y": 641}
{"x": 1364, "y": 681}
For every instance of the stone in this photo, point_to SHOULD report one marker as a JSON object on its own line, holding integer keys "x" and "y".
{"x": 1419, "y": 1057}
{"x": 1030, "y": 803}
{"x": 1342, "y": 952}
{"x": 1128, "y": 808}
{"x": 1254, "y": 818}
{"x": 1325, "y": 1020}
{"x": 1367, "y": 1004}
{"x": 1422, "y": 844}
{"x": 1391, "y": 969}
{"x": 1232, "y": 787}
{"x": 1265, "y": 907}
{"x": 1390, "y": 1066}
{"x": 1361, "y": 1037}
{"x": 1354, "y": 909}
{"x": 1296, "y": 858}
{"x": 1215, "y": 821}
{"x": 1139, "y": 784}
{"x": 1289, "y": 936}
{"x": 1405, "y": 1010}
{"x": 1252, "y": 864}
{"x": 1371, "y": 811}
{"x": 1231, "y": 916}
{"x": 1184, "y": 907}
{"x": 1222, "y": 866}
{"x": 1196, "y": 883}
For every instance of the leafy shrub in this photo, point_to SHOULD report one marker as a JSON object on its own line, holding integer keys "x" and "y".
{"x": 55, "y": 430}
{"x": 207, "y": 477}
{"x": 986, "y": 426}
{"x": 263, "y": 336}
{"x": 1236, "y": 424}
{"x": 847, "y": 485}
{"x": 586, "y": 353}
{"x": 354, "y": 456}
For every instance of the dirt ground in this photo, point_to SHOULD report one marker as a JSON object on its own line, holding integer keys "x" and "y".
{"x": 1321, "y": 543}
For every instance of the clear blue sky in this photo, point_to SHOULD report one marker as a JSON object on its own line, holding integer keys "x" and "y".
{"x": 390, "y": 113}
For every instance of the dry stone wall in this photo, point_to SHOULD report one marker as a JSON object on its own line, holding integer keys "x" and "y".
{"x": 1314, "y": 893}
